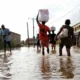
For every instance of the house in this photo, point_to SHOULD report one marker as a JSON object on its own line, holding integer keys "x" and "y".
{"x": 31, "y": 41}
{"x": 76, "y": 28}
{"x": 16, "y": 38}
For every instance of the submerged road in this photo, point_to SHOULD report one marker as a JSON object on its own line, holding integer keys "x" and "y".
{"x": 26, "y": 64}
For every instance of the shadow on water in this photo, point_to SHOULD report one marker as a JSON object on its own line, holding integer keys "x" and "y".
{"x": 66, "y": 68}
{"x": 45, "y": 68}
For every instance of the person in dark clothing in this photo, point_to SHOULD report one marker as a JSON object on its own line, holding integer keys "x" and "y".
{"x": 38, "y": 42}
{"x": 52, "y": 41}
{"x": 66, "y": 41}
{"x": 6, "y": 37}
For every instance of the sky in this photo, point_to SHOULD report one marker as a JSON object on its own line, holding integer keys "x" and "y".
{"x": 15, "y": 14}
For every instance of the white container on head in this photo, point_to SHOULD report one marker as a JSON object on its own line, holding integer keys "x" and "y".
{"x": 43, "y": 15}
{"x": 52, "y": 28}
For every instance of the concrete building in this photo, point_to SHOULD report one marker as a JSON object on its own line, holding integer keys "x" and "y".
{"x": 16, "y": 38}
{"x": 31, "y": 41}
{"x": 77, "y": 33}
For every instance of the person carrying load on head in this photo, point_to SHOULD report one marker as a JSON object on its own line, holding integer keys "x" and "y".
{"x": 43, "y": 36}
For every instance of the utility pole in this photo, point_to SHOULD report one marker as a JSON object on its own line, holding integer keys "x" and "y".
{"x": 33, "y": 32}
{"x": 28, "y": 34}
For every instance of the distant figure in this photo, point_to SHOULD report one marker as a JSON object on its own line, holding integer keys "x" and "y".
{"x": 44, "y": 38}
{"x": 52, "y": 40}
{"x": 5, "y": 33}
{"x": 67, "y": 40}
{"x": 38, "y": 42}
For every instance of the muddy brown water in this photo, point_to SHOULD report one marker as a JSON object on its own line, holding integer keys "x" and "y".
{"x": 27, "y": 64}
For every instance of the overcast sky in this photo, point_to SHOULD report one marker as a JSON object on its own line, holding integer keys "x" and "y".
{"x": 14, "y": 14}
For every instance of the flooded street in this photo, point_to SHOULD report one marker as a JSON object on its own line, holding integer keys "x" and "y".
{"x": 26, "y": 64}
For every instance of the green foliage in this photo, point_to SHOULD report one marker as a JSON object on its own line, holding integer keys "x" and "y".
{"x": 1, "y": 43}
{"x": 13, "y": 44}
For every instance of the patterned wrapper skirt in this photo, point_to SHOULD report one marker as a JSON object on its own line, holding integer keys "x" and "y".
{"x": 44, "y": 43}
{"x": 53, "y": 45}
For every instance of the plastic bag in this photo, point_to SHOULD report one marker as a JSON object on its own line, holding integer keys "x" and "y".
{"x": 63, "y": 34}
{"x": 43, "y": 15}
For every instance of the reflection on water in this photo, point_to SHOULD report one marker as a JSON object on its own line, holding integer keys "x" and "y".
{"x": 4, "y": 69}
{"x": 66, "y": 68}
{"x": 45, "y": 68}
{"x": 26, "y": 64}
{"x": 38, "y": 51}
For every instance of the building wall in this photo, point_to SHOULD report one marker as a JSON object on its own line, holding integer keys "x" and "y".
{"x": 16, "y": 38}
{"x": 77, "y": 33}
{"x": 31, "y": 41}
{"x": 76, "y": 27}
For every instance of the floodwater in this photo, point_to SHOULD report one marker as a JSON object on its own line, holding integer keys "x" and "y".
{"x": 26, "y": 64}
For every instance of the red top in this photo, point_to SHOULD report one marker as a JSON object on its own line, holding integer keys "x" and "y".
{"x": 43, "y": 29}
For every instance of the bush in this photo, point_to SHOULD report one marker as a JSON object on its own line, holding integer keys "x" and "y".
{"x": 13, "y": 44}
{"x": 1, "y": 43}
